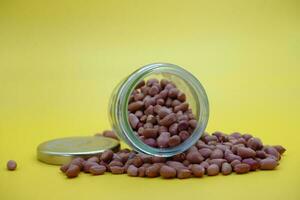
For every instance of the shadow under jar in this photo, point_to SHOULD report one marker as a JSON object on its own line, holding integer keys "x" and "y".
{"x": 184, "y": 81}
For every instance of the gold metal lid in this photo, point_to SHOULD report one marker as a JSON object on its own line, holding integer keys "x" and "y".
{"x": 63, "y": 150}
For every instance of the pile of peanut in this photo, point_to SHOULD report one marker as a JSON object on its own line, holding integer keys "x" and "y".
{"x": 159, "y": 114}
{"x": 211, "y": 155}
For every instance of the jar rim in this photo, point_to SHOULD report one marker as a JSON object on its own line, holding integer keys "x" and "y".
{"x": 128, "y": 86}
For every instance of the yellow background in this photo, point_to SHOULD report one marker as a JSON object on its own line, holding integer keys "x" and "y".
{"x": 59, "y": 61}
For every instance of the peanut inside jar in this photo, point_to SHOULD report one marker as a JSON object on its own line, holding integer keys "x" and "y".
{"x": 159, "y": 113}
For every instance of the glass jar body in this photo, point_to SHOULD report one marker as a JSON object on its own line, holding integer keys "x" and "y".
{"x": 185, "y": 81}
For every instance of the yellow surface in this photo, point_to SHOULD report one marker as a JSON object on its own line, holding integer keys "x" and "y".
{"x": 59, "y": 61}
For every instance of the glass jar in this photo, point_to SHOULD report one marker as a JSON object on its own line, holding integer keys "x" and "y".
{"x": 184, "y": 80}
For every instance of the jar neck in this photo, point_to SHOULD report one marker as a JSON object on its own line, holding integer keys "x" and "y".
{"x": 119, "y": 108}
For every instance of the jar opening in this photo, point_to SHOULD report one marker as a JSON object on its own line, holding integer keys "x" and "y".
{"x": 184, "y": 80}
